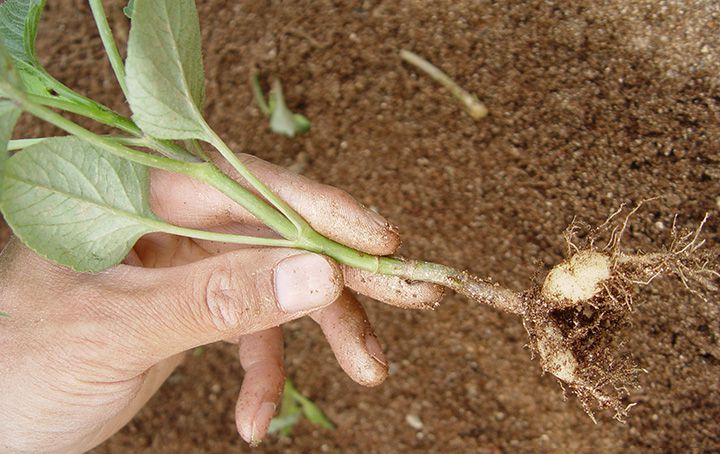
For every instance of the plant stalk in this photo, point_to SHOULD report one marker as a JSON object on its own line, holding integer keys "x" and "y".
{"x": 118, "y": 67}
{"x": 297, "y": 233}
{"x": 21, "y": 144}
{"x": 109, "y": 43}
{"x": 298, "y": 221}
{"x": 108, "y": 117}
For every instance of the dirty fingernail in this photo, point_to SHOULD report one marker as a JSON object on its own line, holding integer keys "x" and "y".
{"x": 373, "y": 347}
{"x": 261, "y": 422}
{"x": 304, "y": 282}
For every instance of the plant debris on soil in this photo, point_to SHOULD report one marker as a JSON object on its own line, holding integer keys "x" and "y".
{"x": 594, "y": 104}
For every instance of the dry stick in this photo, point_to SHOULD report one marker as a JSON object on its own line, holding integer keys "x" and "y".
{"x": 472, "y": 105}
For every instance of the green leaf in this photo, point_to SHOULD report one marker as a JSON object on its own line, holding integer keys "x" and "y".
{"x": 18, "y": 27}
{"x": 284, "y": 424}
{"x": 283, "y": 120}
{"x": 165, "y": 71}
{"x": 290, "y": 411}
{"x": 8, "y": 74}
{"x": 76, "y": 204}
{"x": 313, "y": 413}
{"x": 9, "y": 114}
{"x": 293, "y": 406}
{"x": 19, "y": 20}
{"x": 129, "y": 10}
{"x": 302, "y": 123}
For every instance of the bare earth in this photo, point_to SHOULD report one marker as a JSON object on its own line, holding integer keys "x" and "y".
{"x": 593, "y": 104}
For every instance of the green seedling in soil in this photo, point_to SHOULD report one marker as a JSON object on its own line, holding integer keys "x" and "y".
{"x": 82, "y": 200}
{"x": 282, "y": 119}
{"x": 292, "y": 408}
{"x": 470, "y": 102}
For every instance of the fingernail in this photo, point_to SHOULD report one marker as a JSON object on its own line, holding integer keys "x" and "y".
{"x": 304, "y": 282}
{"x": 378, "y": 219}
{"x": 261, "y": 422}
{"x": 373, "y": 347}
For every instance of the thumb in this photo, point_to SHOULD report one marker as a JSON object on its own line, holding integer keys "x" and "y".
{"x": 169, "y": 310}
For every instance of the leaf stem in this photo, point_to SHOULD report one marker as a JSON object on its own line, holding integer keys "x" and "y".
{"x": 203, "y": 171}
{"x": 109, "y": 43}
{"x": 462, "y": 282}
{"x": 221, "y": 237}
{"x": 193, "y": 146}
{"x": 103, "y": 115}
{"x": 298, "y": 221}
{"x": 273, "y": 211}
{"x": 98, "y": 113}
{"x": 259, "y": 208}
{"x": 46, "y": 114}
{"x": 21, "y": 144}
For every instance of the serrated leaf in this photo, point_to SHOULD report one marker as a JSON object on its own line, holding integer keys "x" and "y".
{"x": 164, "y": 66}
{"x": 76, "y": 204}
{"x": 129, "y": 10}
{"x": 18, "y": 27}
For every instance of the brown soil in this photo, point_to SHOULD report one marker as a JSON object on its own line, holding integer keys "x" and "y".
{"x": 592, "y": 104}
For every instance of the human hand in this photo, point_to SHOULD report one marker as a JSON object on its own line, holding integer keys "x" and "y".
{"x": 81, "y": 353}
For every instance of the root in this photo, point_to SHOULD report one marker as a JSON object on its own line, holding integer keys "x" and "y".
{"x": 577, "y": 336}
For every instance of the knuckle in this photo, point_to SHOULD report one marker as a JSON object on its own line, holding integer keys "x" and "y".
{"x": 339, "y": 196}
{"x": 223, "y": 301}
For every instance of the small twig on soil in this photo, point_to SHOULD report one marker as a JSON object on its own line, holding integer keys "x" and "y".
{"x": 470, "y": 102}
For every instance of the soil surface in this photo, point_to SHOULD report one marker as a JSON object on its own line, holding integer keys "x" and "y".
{"x": 592, "y": 104}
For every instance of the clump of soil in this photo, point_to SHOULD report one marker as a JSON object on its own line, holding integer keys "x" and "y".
{"x": 592, "y": 104}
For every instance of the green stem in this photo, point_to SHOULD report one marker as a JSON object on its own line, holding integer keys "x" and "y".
{"x": 221, "y": 237}
{"x": 110, "y": 118}
{"x": 21, "y": 144}
{"x": 285, "y": 221}
{"x": 194, "y": 147}
{"x": 300, "y": 224}
{"x": 57, "y": 86}
{"x": 462, "y": 282}
{"x": 109, "y": 43}
{"x": 159, "y": 162}
{"x": 205, "y": 171}
{"x": 258, "y": 94}
{"x": 254, "y": 204}
{"x": 97, "y": 113}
